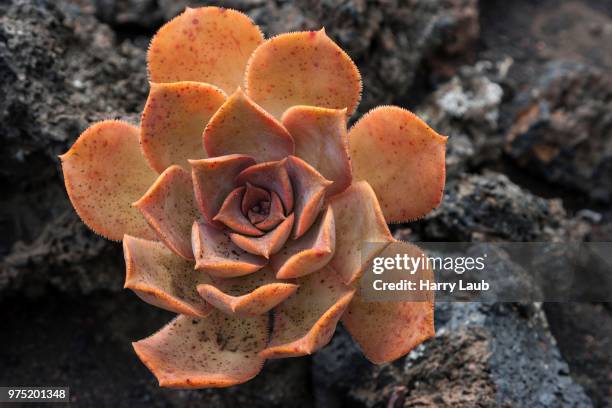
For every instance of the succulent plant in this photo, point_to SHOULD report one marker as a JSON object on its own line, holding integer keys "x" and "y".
{"x": 243, "y": 201}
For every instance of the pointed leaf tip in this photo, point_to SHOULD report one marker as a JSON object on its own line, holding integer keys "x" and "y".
{"x": 402, "y": 158}
{"x": 268, "y": 244}
{"x": 309, "y": 188}
{"x": 321, "y": 140}
{"x": 273, "y": 177}
{"x": 306, "y": 321}
{"x": 213, "y": 180}
{"x": 280, "y": 73}
{"x": 231, "y": 214}
{"x": 361, "y": 230}
{"x": 207, "y": 44}
{"x": 246, "y": 296}
{"x": 161, "y": 278}
{"x": 105, "y": 172}
{"x": 170, "y": 209}
{"x": 215, "y": 351}
{"x": 216, "y": 254}
{"x": 240, "y": 126}
{"x": 309, "y": 253}
{"x": 387, "y": 330}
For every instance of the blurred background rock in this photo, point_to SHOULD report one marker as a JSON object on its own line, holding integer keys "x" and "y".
{"x": 523, "y": 89}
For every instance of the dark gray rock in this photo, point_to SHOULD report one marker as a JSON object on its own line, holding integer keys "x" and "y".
{"x": 584, "y": 334}
{"x": 466, "y": 109}
{"x": 59, "y": 72}
{"x": 491, "y": 207}
{"x": 66, "y": 255}
{"x": 564, "y": 131}
{"x": 482, "y": 355}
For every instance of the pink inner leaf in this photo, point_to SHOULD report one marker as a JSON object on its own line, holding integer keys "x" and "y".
{"x": 216, "y": 254}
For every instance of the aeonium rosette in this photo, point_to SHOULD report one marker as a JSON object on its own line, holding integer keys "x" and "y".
{"x": 262, "y": 227}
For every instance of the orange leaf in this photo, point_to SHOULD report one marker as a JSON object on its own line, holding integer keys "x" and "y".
{"x": 306, "y": 321}
{"x": 403, "y": 160}
{"x": 215, "y": 351}
{"x": 161, "y": 278}
{"x": 170, "y": 209}
{"x": 385, "y": 331}
{"x": 304, "y": 68}
{"x": 246, "y": 296}
{"x": 361, "y": 231}
{"x": 321, "y": 139}
{"x": 173, "y": 121}
{"x": 105, "y": 173}
{"x": 207, "y": 44}
{"x": 242, "y": 127}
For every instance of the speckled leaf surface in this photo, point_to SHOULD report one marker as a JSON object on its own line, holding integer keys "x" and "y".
{"x": 359, "y": 220}
{"x": 242, "y": 127}
{"x": 173, "y": 122}
{"x": 161, "y": 278}
{"x": 105, "y": 173}
{"x": 170, "y": 208}
{"x": 250, "y": 295}
{"x": 302, "y": 68}
{"x": 321, "y": 140}
{"x": 216, "y": 254}
{"x": 403, "y": 160}
{"x": 207, "y": 44}
{"x": 386, "y": 331}
{"x": 309, "y": 253}
{"x": 214, "y": 351}
{"x": 306, "y": 321}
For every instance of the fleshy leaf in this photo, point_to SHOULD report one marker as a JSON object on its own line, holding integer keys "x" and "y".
{"x": 207, "y": 44}
{"x": 216, "y": 254}
{"x": 231, "y": 215}
{"x": 302, "y": 68}
{"x": 170, "y": 209}
{"x": 321, "y": 139}
{"x": 213, "y": 180}
{"x": 161, "y": 278}
{"x": 271, "y": 176}
{"x": 242, "y": 127}
{"x": 361, "y": 231}
{"x": 309, "y": 253}
{"x": 253, "y": 196}
{"x": 385, "y": 331}
{"x": 215, "y": 351}
{"x": 255, "y": 217}
{"x": 270, "y": 243}
{"x": 246, "y": 296}
{"x": 105, "y": 173}
{"x": 306, "y": 321}
{"x": 275, "y": 215}
{"x": 309, "y": 188}
{"x": 403, "y": 160}
{"x": 173, "y": 121}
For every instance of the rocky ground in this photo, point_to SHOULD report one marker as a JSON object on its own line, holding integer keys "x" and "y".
{"x": 523, "y": 89}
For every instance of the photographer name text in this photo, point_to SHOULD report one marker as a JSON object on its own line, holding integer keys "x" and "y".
{"x": 425, "y": 284}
